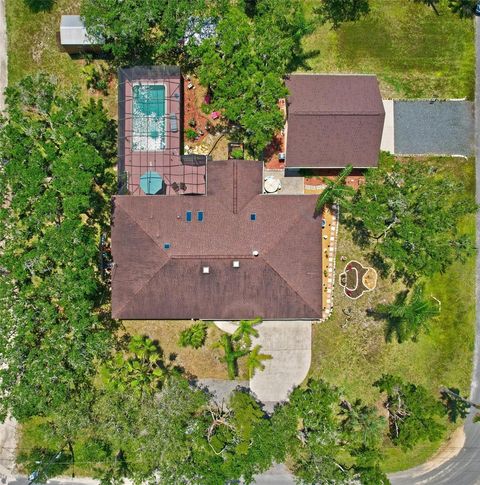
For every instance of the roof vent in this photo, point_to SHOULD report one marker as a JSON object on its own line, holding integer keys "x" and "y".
{"x": 206, "y": 269}
{"x": 255, "y": 253}
{"x": 236, "y": 264}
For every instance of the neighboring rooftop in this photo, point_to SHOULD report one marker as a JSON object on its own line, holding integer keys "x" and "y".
{"x": 232, "y": 254}
{"x": 333, "y": 121}
{"x": 150, "y": 132}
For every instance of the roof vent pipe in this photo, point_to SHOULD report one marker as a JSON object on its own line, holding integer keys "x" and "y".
{"x": 255, "y": 253}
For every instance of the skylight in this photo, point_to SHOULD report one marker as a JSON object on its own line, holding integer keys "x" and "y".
{"x": 166, "y": 245}
{"x": 200, "y": 216}
{"x": 253, "y": 216}
{"x": 188, "y": 216}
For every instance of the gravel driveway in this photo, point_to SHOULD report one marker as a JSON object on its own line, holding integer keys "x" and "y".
{"x": 434, "y": 127}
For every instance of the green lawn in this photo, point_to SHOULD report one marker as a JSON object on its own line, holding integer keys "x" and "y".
{"x": 33, "y": 47}
{"x": 349, "y": 350}
{"x": 414, "y": 52}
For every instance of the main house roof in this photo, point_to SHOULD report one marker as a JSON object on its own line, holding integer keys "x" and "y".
{"x": 333, "y": 121}
{"x": 159, "y": 256}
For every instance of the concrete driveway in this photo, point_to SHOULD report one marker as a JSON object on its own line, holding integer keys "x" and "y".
{"x": 289, "y": 342}
{"x": 290, "y": 345}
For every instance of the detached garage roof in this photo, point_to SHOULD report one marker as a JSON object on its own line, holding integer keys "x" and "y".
{"x": 333, "y": 121}
{"x": 231, "y": 254}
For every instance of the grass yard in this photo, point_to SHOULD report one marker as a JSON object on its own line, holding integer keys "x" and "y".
{"x": 33, "y": 48}
{"x": 415, "y": 53}
{"x": 349, "y": 350}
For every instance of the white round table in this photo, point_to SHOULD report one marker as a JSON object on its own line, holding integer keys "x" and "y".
{"x": 272, "y": 185}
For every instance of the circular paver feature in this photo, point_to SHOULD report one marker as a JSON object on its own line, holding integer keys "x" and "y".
{"x": 357, "y": 279}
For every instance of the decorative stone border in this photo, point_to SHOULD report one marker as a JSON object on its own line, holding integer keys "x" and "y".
{"x": 332, "y": 239}
{"x": 357, "y": 292}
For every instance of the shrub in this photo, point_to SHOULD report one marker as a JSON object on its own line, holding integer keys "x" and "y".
{"x": 237, "y": 153}
{"x": 191, "y": 134}
{"x": 193, "y": 336}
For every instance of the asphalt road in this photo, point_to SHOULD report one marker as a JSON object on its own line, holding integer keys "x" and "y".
{"x": 463, "y": 469}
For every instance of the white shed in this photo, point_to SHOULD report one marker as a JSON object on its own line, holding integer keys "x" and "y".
{"x": 74, "y": 36}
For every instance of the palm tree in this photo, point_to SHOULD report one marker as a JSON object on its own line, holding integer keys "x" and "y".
{"x": 245, "y": 331}
{"x": 463, "y": 8}
{"x": 255, "y": 359}
{"x": 407, "y": 316}
{"x": 362, "y": 421}
{"x": 335, "y": 191}
{"x": 231, "y": 354}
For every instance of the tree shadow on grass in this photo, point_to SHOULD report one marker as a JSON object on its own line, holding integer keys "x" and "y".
{"x": 37, "y": 6}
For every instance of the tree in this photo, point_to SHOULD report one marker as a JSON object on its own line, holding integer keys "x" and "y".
{"x": 463, "y": 8}
{"x": 246, "y": 330}
{"x": 193, "y": 336}
{"x": 339, "y": 11}
{"x": 56, "y": 180}
{"x": 361, "y": 423}
{"x": 412, "y": 412}
{"x": 398, "y": 212}
{"x": 429, "y": 3}
{"x": 336, "y": 191}
{"x": 244, "y": 65}
{"x": 160, "y": 425}
{"x": 407, "y": 316}
{"x": 326, "y": 438}
{"x": 255, "y": 360}
{"x": 139, "y": 32}
{"x": 455, "y": 405}
{"x": 231, "y": 354}
{"x": 138, "y": 370}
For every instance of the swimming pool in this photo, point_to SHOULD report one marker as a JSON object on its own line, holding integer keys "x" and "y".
{"x": 149, "y": 117}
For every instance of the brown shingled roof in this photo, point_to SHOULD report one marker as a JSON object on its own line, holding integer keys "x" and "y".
{"x": 283, "y": 281}
{"x": 333, "y": 121}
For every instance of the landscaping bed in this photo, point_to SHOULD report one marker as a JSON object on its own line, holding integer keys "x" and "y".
{"x": 204, "y": 362}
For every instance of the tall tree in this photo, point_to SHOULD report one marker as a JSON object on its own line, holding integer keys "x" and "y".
{"x": 255, "y": 360}
{"x": 409, "y": 213}
{"x": 337, "y": 12}
{"x": 144, "y": 31}
{"x": 246, "y": 330}
{"x": 245, "y": 62}
{"x": 55, "y": 182}
{"x": 408, "y": 315}
{"x": 336, "y": 190}
{"x": 463, "y": 8}
{"x": 327, "y": 440}
{"x": 138, "y": 370}
{"x": 413, "y": 413}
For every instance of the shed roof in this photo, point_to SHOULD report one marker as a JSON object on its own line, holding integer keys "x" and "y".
{"x": 73, "y": 32}
{"x": 152, "y": 281}
{"x": 333, "y": 121}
